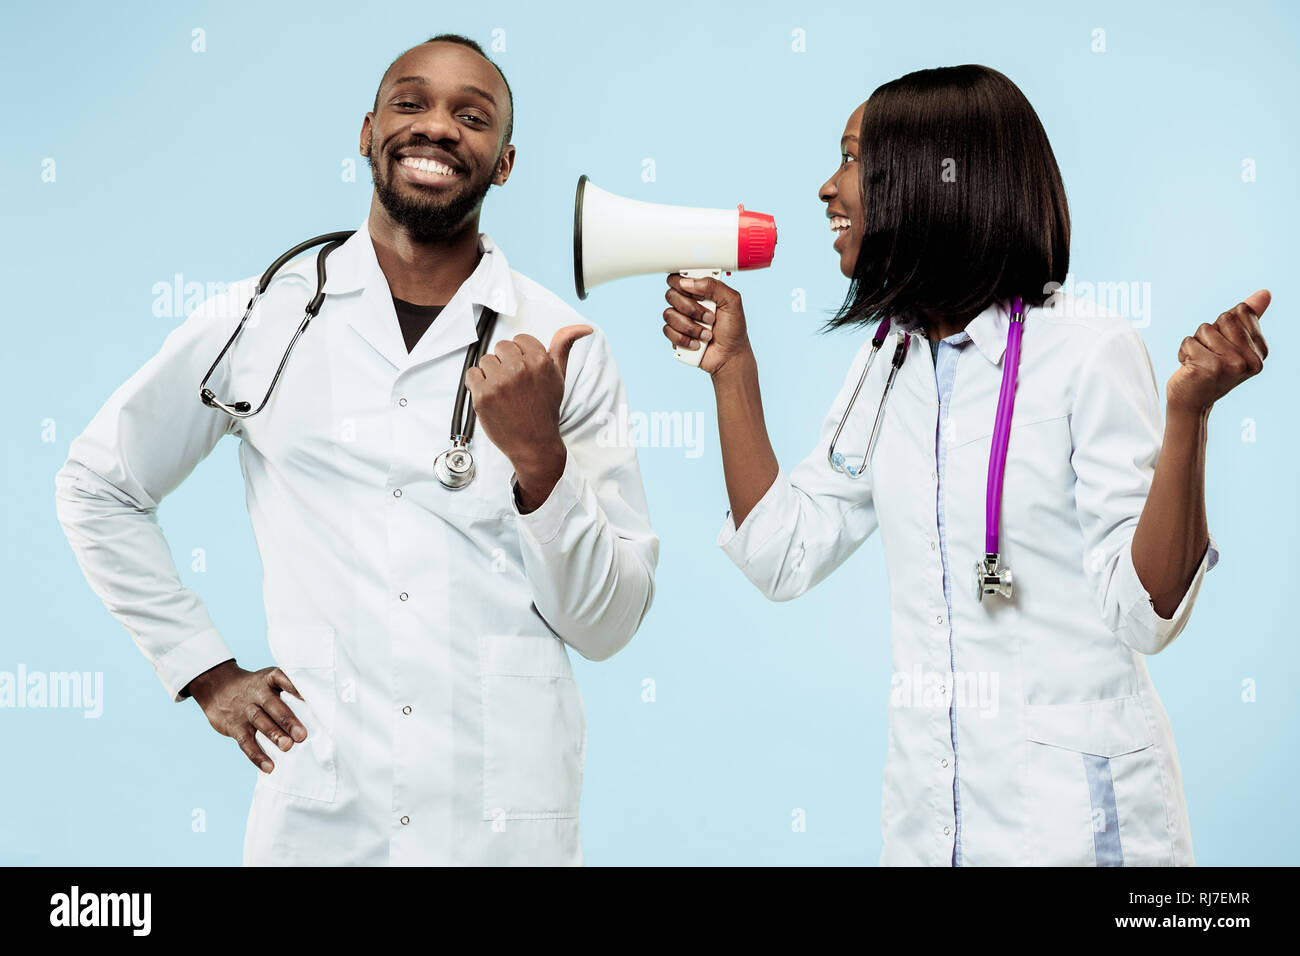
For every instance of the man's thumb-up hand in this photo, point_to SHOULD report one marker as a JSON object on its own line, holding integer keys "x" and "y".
{"x": 562, "y": 344}
{"x": 517, "y": 390}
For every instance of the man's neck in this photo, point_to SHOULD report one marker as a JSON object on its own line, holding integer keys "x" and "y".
{"x": 423, "y": 273}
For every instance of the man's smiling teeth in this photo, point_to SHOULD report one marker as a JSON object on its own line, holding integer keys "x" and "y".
{"x": 839, "y": 223}
{"x": 427, "y": 165}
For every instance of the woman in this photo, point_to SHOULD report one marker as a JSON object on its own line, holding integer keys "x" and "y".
{"x": 1024, "y": 728}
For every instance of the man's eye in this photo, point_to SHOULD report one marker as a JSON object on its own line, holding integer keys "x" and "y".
{"x": 414, "y": 106}
{"x": 477, "y": 119}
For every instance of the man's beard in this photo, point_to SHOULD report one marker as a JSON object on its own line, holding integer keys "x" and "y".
{"x": 427, "y": 220}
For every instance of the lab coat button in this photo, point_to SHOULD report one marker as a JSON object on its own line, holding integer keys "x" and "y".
{"x": 397, "y": 492}
{"x": 932, "y": 544}
{"x": 402, "y": 596}
{"x": 405, "y": 820}
{"x": 946, "y": 831}
{"x": 402, "y": 402}
{"x": 943, "y": 762}
{"x": 406, "y": 709}
{"x": 939, "y": 619}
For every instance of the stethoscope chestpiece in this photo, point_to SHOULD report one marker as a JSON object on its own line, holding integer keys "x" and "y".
{"x": 991, "y": 578}
{"x": 454, "y": 467}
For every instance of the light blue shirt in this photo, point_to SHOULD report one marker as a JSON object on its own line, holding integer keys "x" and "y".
{"x": 946, "y": 353}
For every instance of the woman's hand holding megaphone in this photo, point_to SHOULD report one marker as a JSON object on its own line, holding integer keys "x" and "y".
{"x": 726, "y": 335}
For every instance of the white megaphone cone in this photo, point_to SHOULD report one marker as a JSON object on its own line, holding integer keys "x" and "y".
{"x": 615, "y": 237}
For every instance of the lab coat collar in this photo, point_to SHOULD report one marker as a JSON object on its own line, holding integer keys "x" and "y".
{"x": 988, "y": 331}
{"x": 353, "y": 267}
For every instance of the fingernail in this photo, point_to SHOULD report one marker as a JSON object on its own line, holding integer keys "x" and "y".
{"x": 706, "y": 335}
{"x": 267, "y": 766}
{"x": 688, "y": 285}
{"x": 695, "y": 343}
{"x": 284, "y": 743}
{"x": 298, "y": 734}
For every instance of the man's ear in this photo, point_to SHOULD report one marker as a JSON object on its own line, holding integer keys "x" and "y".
{"x": 505, "y": 163}
{"x": 367, "y": 134}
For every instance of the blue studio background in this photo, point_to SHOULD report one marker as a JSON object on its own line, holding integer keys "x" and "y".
{"x": 135, "y": 164}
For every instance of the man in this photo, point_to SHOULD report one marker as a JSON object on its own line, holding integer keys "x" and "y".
{"x": 421, "y": 629}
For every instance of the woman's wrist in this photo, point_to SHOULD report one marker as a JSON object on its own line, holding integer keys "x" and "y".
{"x": 1185, "y": 426}
{"x": 739, "y": 370}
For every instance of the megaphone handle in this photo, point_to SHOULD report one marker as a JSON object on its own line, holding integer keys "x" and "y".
{"x": 694, "y": 356}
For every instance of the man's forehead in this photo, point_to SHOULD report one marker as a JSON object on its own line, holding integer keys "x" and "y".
{"x": 429, "y": 62}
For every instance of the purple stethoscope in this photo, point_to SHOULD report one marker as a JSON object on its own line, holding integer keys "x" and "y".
{"x": 991, "y": 577}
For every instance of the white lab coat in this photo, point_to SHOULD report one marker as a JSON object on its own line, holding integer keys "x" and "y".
{"x": 425, "y": 628}
{"x": 1059, "y": 730}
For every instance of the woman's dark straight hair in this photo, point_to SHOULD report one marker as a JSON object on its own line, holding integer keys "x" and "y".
{"x": 963, "y": 203}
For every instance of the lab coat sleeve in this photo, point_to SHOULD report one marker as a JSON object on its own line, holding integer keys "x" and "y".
{"x": 1116, "y": 432}
{"x": 588, "y": 549}
{"x": 811, "y": 519}
{"x": 141, "y": 444}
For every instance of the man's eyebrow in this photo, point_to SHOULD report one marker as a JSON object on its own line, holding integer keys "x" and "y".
{"x": 410, "y": 79}
{"x": 466, "y": 88}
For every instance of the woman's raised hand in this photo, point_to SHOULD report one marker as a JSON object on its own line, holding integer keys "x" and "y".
{"x": 727, "y": 337}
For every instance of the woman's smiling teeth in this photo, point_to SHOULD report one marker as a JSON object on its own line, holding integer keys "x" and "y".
{"x": 839, "y": 223}
{"x": 427, "y": 166}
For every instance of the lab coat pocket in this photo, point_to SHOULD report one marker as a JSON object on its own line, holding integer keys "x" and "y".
{"x": 306, "y": 654}
{"x": 1093, "y": 789}
{"x": 534, "y": 729}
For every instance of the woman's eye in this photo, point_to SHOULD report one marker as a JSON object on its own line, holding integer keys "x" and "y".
{"x": 846, "y": 158}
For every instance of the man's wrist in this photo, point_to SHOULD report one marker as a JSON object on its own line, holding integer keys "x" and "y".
{"x": 538, "y": 474}
{"x": 202, "y": 681}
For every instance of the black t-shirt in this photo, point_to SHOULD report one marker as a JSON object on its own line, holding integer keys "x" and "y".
{"x": 414, "y": 319}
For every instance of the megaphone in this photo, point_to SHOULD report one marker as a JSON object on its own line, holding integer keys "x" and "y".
{"x": 615, "y": 237}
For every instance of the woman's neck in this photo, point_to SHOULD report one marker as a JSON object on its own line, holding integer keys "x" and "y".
{"x": 939, "y": 326}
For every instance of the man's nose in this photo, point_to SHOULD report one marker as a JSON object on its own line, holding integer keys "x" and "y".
{"x": 436, "y": 126}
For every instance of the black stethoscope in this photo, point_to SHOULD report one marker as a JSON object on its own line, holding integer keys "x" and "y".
{"x": 455, "y": 466}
